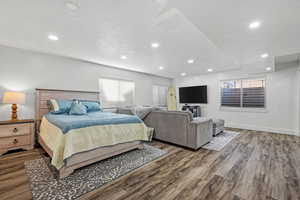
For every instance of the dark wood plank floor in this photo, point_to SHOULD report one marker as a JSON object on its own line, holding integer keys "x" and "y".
{"x": 255, "y": 165}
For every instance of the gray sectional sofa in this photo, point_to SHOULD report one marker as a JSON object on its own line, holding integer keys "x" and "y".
{"x": 177, "y": 127}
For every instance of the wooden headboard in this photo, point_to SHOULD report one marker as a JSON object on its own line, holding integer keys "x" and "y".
{"x": 42, "y": 95}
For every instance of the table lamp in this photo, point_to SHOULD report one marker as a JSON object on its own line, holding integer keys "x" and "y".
{"x": 14, "y": 98}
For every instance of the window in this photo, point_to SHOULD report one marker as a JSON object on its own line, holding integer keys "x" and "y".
{"x": 245, "y": 93}
{"x": 116, "y": 93}
{"x": 160, "y": 95}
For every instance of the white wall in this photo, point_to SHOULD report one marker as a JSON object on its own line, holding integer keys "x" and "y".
{"x": 282, "y": 101}
{"x": 22, "y": 70}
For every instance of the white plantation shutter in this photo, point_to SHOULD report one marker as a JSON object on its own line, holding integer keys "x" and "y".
{"x": 160, "y": 95}
{"x": 155, "y": 94}
{"x": 116, "y": 93}
{"x": 247, "y": 93}
{"x": 231, "y": 93}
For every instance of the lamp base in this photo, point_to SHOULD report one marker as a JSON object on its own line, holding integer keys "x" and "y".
{"x": 14, "y": 115}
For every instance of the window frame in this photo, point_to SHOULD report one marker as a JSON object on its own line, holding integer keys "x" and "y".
{"x": 116, "y": 79}
{"x": 244, "y": 109}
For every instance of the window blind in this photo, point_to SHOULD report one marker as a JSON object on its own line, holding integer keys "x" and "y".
{"x": 253, "y": 93}
{"x": 231, "y": 93}
{"x": 249, "y": 93}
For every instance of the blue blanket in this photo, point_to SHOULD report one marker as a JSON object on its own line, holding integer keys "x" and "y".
{"x": 69, "y": 122}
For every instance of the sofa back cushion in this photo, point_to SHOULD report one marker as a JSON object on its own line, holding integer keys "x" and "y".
{"x": 171, "y": 126}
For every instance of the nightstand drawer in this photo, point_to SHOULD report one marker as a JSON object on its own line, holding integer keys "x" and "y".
{"x": 14, "y": 141}
{"x": 15, "y": 130}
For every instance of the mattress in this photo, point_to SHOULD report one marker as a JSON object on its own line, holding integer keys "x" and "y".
{"x": 67, "y": 135}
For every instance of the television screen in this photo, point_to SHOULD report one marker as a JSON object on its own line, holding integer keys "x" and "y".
{"x": 195, "y": 94}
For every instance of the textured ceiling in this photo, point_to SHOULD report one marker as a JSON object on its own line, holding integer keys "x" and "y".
{"x": 212, "y": 32}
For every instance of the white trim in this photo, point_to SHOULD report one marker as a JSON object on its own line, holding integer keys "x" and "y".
{"x": 246, "y": 77}
{"x": 265, "y": 129}
{"x": 241, "y": 109}
{"x": 116, "y": 79}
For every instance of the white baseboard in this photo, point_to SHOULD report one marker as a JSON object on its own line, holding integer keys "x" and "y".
{"x": 265, "y": 129}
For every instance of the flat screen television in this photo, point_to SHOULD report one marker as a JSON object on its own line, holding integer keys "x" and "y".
{"x": 195, "y": 94}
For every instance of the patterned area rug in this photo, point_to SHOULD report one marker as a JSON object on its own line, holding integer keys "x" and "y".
{"x": 45, "y": 186}
{"x": 221, "y": 140}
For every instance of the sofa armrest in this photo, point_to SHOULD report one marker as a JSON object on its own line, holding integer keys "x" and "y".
{"x": 200, "y": 121}
{"x": 200, "y": 132}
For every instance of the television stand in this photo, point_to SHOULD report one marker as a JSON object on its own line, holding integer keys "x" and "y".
{"x": 195, "y": 110}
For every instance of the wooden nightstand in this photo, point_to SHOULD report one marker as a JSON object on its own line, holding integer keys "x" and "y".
{"x": 16, "y": 135}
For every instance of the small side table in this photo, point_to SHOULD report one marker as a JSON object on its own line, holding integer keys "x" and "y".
{"x": 18, "y": 134}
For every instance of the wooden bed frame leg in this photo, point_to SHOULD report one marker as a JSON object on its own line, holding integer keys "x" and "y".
{"x": 64, "y": 172}
{"x": 2, "y": 152}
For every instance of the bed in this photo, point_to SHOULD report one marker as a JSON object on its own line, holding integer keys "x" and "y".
{"x": 77, "y": 141}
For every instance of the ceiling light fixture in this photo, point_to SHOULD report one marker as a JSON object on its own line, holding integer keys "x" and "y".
{"x": 155, "y": 45}
{"x": 265, "y": 55}
{"x": 72, "y": 5}
{"x": 254, "y": 25}
{"x": 210, "y": 70}
{"x": 123, "y": 57}
{"x": 183, "y": 74}
{"x": 190, "y": 61}
{"x": 53, "y": 37}
{"x": 161, "y": 68}
{"x": 268, "y": 68}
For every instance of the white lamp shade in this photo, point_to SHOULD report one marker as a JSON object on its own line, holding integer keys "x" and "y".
{"x": 14, "y": 98}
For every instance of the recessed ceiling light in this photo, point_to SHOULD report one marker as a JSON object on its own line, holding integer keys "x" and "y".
{"x": 183, "y": 74}
{"x": 161, "y": 68}
{"x": 254, "y": 25}
{"x": 190, "y": 61}
{"x": 155, "y": 45}
{"x": 123, "y": 57}
{"x": 72, "y": 5}
{"x": 265, "y": 55}
{"x": 210, "y": 70}
{"x": 53, "y": 37}
{"x": 268, "y": 68}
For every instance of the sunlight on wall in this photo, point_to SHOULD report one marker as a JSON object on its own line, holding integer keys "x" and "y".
{"x": 117, "y": 92}
{"x": 14, "y": 86}
{"x": 126, "y": 90}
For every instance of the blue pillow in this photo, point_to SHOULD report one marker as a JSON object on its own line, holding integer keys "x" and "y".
{"x": 91, "y": 106}
{"x": 60, "y": 106}
{"x": 77, "y": 109}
